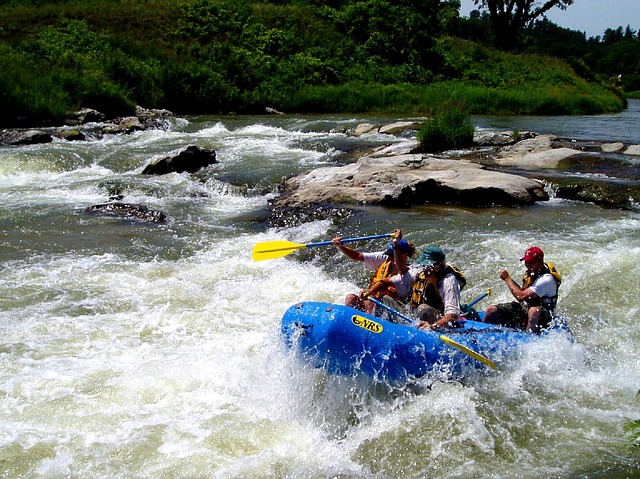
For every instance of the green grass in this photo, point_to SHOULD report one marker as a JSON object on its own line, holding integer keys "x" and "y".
{"x": 430, "y": 99}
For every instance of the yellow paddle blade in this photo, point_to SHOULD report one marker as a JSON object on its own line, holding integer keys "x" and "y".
{"x": 470, "y": 352}
{"x": 274, "y": 249}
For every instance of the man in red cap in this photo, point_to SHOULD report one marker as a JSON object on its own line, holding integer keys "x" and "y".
{"x": 536, "y": 298}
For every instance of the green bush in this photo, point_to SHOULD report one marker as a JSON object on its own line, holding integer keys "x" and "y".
{"x": 447, "y": 130}
{"x": 633, "y": 428}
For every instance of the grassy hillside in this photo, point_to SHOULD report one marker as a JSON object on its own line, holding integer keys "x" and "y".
{"x": 199, "y": 57}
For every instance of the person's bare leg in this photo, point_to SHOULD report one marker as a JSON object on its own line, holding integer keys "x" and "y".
{"x": 369, "y": 307}
{"x": 533, "y": 325}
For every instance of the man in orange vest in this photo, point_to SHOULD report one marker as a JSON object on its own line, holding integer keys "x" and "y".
{"x": 391, "y": 275}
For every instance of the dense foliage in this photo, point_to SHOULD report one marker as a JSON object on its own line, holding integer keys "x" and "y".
{"x": 206, "y": 56}
{"x": 613, "y": 58}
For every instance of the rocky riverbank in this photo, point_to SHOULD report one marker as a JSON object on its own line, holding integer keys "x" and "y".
{"x": 88, "y": 124}
{"x": 508, "y": 169}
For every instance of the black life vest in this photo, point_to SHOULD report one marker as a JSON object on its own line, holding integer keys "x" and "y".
{"x": 425, "y": 287}
{"x": 549, "y": 302}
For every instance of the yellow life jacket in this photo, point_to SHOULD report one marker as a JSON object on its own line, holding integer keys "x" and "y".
{"x": 386, "y": 269}
{"x": 529, "y": 279}
{"x": 425, "y": 287}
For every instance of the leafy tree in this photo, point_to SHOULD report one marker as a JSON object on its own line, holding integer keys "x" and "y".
{"x": 612, "y": 36}
{"x": 397, "y": 32}
{"x": 618, "y": 63}
{"x": 476, "y": 27}
{"x": 510, "y": 17}
{"x": 547, "y": 38}
{"x": 629, "y": 34}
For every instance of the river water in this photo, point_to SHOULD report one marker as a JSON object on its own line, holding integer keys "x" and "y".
{"x": 137, "y": 350}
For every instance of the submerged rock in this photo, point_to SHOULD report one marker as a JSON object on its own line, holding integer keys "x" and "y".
{"x": 601, "y": 193}
{"x": 129, "y": 211}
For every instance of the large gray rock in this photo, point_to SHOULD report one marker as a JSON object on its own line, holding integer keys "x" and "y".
{"x": 633, "y": 150}
{"x": 86, "y": 115}
{"x": 529, "y": 145}
{"x": 488, "y": 138}
{"x": 536, "y": 153}
{"x": 612, "y": 147}
{"x": 409, "y": 179}
{"x": 365, "y": 129}
{"x": 400, "y": 127}
{"x": 395, "y": 149}
{"x": 540, "y": 159}
{"x": 127, "y": 124}
{"x": 395, "y": 128}
{"x": 25, "y": 137}
{"x": 190, "y": 159}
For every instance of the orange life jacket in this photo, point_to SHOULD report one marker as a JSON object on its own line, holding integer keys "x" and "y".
{"x": 386, "y": 269}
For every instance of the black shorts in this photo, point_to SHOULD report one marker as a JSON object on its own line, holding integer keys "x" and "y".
{"x": 515, "y": 315}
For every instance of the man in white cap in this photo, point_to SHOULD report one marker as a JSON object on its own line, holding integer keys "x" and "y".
{"x": 536, "y": 298}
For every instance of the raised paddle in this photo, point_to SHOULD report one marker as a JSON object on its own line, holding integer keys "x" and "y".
{"x": 446, "y": 339}
{"x": 279, "y": 248}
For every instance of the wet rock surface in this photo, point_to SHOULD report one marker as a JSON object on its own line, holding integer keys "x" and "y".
{"x": 190, "y": 159}
{"x": 88, "y": 124}
{"x": 132, "y": 211}
{"x": 502, "y": 168}
{"x": 407, "y": 179}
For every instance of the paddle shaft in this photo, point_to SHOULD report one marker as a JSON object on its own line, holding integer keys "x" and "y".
{"x": 393, "y": 311}
{"x": 479, "y": 298}
{"x": 348, "y": 240}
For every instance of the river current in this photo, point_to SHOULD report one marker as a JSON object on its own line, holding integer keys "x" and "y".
{"x": 138, "y": 350}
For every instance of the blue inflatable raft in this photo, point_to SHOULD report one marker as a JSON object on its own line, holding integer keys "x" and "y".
{"x": 345, "y": 341}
